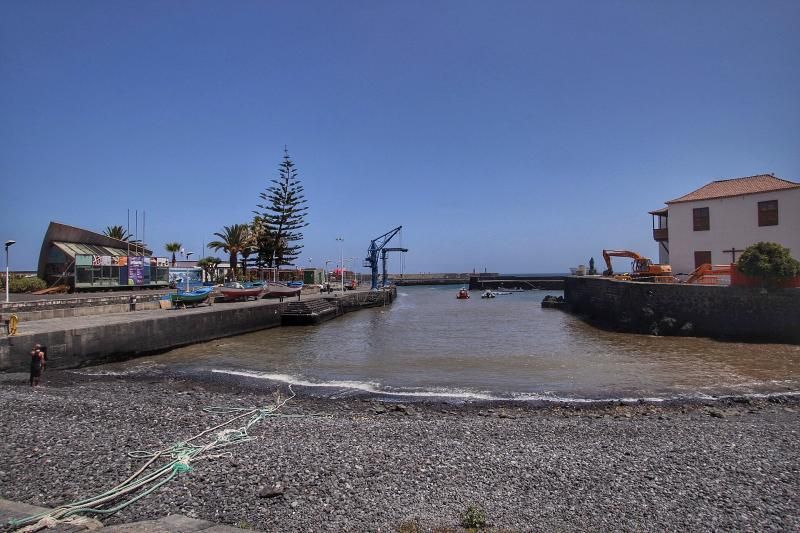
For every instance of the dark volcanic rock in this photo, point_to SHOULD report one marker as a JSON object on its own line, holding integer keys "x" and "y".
{"x": 611, "y": 466}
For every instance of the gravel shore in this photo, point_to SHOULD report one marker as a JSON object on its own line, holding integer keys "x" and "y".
{"x": 366, "y": 465}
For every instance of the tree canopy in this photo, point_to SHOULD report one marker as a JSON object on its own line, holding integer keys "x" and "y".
{"x": 234, "y": 239}
{"x": 117, "y": 232}
{"x": 769, "y": 261}
{"x": 280, "y": 217}
{"x": 173, "y": 247}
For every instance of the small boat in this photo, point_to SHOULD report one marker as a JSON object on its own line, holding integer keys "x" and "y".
{"x": 241, "y": 292}
{"x": 295, "y": 284}
{"x": 502, "y": 293}
{"x": 463, "y": 294}
{"x": 192, "y": 298}
{"x": 487, "y": 294}
{"x": 279, "y": 290}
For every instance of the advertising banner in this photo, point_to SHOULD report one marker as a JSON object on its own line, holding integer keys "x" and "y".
{"x": 135, "y": 270}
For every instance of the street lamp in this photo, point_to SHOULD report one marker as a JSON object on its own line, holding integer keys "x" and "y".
{"x": 355, "y": 274}
{"x": 341, "y": 249}
{"x": 327, "y": 277}
{"x": 188, "y": 255}
{"x": 8, "y": 282}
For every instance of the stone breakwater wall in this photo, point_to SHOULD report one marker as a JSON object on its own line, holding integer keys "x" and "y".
{"x": 496, "y": 282}
{"x": 79, "y": 341}
{"x": 733, "y": 313}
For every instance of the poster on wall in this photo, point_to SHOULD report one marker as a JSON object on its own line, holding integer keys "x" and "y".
{"x": 135, "y": 270}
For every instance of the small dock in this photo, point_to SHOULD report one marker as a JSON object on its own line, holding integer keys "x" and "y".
{"x": 308, "y": 313}
{"x": 75, "y": 341}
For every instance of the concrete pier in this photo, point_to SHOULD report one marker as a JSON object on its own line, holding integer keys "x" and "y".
{"x": 77, "y": 341}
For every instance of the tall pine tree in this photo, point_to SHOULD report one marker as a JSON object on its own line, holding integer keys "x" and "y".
{"x": 281, "y": 217}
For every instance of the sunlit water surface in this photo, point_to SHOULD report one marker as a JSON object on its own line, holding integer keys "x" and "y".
{"x": 428, "y": 343}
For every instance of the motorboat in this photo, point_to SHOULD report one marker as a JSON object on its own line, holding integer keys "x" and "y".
{"x": 487, "y": 294}
{"x": 463, "y": 294}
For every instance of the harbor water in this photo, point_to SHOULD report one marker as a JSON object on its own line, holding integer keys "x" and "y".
{"x": 430, "y": 344}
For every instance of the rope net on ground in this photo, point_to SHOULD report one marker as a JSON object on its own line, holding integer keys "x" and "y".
{"x": 174, "y": 460}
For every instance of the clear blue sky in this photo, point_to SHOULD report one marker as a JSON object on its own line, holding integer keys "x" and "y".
{"x": 513, "y": 136}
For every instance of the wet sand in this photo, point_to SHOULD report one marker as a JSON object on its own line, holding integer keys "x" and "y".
{"x": 365, "y": 464}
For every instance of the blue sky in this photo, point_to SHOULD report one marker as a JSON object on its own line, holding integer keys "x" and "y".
{"x": 512, "y": 136}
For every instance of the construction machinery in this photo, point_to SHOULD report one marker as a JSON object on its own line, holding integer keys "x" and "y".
{"x": 708, "y": 274}
{"x": 642, "y": 267}
{"x": 379, "y": 245}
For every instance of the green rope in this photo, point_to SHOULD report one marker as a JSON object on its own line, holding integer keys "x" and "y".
{"x": 180, "y": 454}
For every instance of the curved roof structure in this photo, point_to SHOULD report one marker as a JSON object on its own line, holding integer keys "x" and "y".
{"x": 72, "y": 240}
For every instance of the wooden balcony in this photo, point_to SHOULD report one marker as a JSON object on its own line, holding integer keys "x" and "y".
{"x": 660, "y": 234}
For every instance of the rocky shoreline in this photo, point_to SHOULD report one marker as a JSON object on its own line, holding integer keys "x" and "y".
{"x": 361, "y": 464}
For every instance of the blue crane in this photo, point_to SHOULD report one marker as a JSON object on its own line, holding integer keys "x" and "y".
{"x": 379, "y": 245}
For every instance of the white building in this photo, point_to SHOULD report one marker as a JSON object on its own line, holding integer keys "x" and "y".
{"x": 715, "y": 223}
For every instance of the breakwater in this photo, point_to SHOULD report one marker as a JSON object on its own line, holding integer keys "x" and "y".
{"x": 77, "y": 341}
{"x": 494, "y": 282}
{"x": 733, "y": 313}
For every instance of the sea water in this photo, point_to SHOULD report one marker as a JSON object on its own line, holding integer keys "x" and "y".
{"x": 428, "y": 343}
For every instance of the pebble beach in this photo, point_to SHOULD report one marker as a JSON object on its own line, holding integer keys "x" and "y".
{"x": 364, "y": 464}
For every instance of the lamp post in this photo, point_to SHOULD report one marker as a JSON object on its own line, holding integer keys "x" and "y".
{"x": 327, "y": 277}
{"x": 188, "y": 255}
{"x": 355, "y": 274}
{"x": 8, "y": 279}
{"x": 341, "y": 249}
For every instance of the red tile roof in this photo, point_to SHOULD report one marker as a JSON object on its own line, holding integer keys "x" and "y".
{"x": 737, "y": 187}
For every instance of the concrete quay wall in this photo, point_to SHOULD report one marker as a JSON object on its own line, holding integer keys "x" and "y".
{"x": 732, "y": 313}
{"x": 82, "y": 305}
{"x": 79, "y": 341}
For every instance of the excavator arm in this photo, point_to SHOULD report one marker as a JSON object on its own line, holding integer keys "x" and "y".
{"x": 608, "y": 254}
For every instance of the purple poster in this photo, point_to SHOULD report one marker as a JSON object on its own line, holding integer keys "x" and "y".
{"x": 135, "y": 270}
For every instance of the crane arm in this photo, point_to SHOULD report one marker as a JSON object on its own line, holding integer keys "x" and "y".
{"x": 379, "y": 242}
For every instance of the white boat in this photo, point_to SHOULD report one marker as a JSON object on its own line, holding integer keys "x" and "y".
{"x": 279, "y": 290}
{"x": 487, "y": 294}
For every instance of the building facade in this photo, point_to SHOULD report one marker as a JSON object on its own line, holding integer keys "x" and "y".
{"x": 718, "y": 221}
{"x": 85, "y": 260}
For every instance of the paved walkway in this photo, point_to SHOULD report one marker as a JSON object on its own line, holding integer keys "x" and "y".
{"x": 171, "y": 524}
{"x": 37, "y": 327}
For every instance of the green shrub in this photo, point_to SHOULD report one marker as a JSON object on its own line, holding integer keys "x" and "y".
{"x": 27, "y": 284}
{"x": 769, "y": 261}
{"x": 473, "y": 518}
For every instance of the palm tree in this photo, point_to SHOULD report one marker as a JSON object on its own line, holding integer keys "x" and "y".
{"x": 117, "y": 232}
{"x": 209, "y": 265}
{"x": 173, "y": 247}
{"x": 235, "y": 239}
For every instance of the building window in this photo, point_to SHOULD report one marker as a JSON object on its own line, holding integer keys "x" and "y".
{"x": 702, "y": 258}
{"x": 701, "y": 219}
{"x": 768, "y": 213}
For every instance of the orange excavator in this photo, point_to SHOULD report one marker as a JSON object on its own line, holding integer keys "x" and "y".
{"x": 708, "y": 274}
{"x": 642, "y": 266}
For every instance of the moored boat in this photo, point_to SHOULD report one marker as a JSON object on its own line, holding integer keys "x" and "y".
{"x": 279, "y": 290}
{"x": 488, "y": 294}
{"x": 241, "y": 292}
{"x": 192, "y": 298}
{"x": 463, "y": 294}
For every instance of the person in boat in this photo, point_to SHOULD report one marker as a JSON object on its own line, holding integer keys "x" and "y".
{"x": 37, "y": 363}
